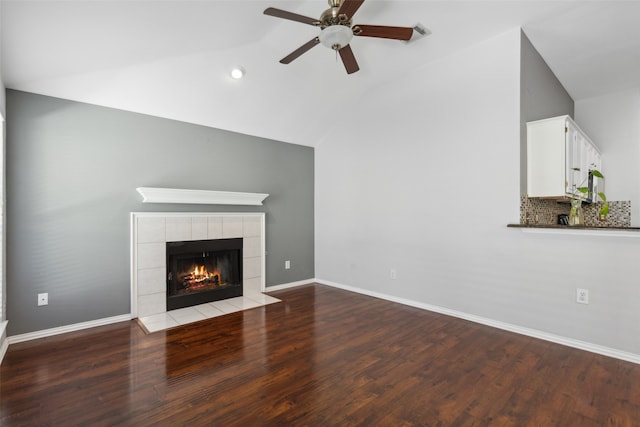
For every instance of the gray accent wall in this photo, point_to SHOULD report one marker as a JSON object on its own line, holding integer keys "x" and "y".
{"x": 541, "y": 96}
{"x": 72, "y": 170}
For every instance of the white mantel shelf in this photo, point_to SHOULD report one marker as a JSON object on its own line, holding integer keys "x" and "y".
{"x": 201, "y": 197}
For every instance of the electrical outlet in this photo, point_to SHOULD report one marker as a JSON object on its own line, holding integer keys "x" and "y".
{"x": 43, "y": 299}
{"x": 582, "y": 296}
{"x": 287, "y": 264}
{"x": 392, "y": 274}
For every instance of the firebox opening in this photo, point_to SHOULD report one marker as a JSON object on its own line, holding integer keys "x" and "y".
{"x": 202, "y": 271}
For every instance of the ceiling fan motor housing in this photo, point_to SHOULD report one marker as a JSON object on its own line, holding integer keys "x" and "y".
{"x": 331, "y": 17}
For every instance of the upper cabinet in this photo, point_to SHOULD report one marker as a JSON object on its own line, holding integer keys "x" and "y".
{"x": 559, "y": 158}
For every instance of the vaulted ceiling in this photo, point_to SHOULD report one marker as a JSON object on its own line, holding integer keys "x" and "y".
{"x": 172, "y": 58}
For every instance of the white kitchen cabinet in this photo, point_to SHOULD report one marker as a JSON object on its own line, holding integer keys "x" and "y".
{"x": 559, "y": 158}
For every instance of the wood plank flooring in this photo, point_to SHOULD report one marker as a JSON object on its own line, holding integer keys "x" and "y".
{"x": 322, "y": 357}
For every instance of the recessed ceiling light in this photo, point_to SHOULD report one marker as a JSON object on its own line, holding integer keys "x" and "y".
{"x": 237, "y": 72}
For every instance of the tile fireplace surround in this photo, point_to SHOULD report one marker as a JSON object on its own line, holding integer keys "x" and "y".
{"x": 150, "y": 231}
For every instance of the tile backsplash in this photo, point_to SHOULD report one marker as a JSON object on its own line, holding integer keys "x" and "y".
{"x": 541, "y": 211}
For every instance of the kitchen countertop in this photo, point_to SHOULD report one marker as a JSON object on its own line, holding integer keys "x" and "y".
{"x": 577, "y": 230}
{"x": 572, "y": 227}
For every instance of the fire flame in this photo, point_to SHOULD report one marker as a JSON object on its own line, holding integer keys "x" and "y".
{"x": 200, "y": 274}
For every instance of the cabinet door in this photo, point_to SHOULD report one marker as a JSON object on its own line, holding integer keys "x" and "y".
{"x": 583, "y": 152}
{"x": 579, "y": 160}
{"x": 572, "y": 158}
{"x": 546, "y": 158}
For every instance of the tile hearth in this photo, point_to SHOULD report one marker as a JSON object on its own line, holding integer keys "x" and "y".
{"x": 183, "y": 316}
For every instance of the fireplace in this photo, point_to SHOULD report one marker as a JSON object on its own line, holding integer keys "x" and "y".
{"x": 151, "y": 231}
{"x": 202, "y": 271}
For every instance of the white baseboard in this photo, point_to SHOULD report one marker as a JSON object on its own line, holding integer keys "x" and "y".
{"x": 4, "y": 342}
{"x": 570, "y": 342}
{"x": 289, "y": 285}
{"x": 67, "y": 328}
{"x": 106, "y": 321}
{"x": 4, "y": 346}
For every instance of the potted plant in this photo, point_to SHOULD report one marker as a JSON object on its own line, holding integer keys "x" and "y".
{"x": 576, "y": 216}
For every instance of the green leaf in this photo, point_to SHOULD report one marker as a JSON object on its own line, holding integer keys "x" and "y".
{"x": 583, "y": 190}
{"x": 597, "y": 173}
{"x": 604, "y": 210}
{"x": 602, "y": 196}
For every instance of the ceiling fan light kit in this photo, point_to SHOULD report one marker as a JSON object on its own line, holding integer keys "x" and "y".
{"x": 337, "y": 30}
{"x": 336, "y": 36}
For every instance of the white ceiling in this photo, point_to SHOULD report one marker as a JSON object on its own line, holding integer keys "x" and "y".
{"x": 171, "y": 58}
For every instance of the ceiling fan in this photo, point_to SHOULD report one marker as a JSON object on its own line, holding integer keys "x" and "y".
{"x": 337, "y": 30}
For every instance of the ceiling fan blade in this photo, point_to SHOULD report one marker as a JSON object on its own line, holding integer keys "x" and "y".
{"x": 350, "y": 7}
{"x": 279, "y": 13}
{"x": 299, "y": 51}
{"x": 348, "y": 59}
{"x": 381, "y": 31}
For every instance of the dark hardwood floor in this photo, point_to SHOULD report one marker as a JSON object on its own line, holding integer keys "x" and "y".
{"x": 322, "y": 357}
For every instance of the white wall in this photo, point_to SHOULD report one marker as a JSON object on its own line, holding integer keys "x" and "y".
{"x": 2, "y": 246}
{"x": 2, "y": 88}
{"x": 613, "y": 123}
{"x": 423, "y": 177}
